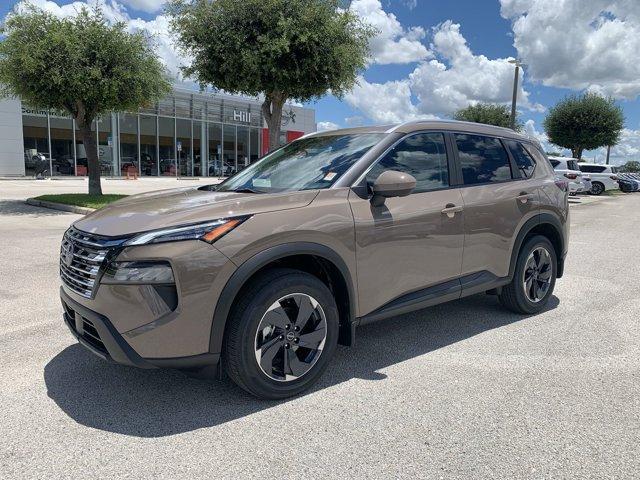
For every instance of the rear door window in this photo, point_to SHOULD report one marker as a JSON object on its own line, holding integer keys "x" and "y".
{"x": 573, "y": 165}
{"x": 554, "y": 163}
{"x": 591, "y": 168}
{"x": 483, "y": 159}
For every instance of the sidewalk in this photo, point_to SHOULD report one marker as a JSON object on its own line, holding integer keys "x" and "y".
{"x": 22, "y": 188}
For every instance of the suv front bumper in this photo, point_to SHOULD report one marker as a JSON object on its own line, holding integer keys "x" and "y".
{"x": 97, "y": 334}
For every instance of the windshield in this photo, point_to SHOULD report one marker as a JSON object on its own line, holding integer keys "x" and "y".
{"x": 305, "y": 164}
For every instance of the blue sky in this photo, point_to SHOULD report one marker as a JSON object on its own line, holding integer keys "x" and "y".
{"x": 432, "y": 57}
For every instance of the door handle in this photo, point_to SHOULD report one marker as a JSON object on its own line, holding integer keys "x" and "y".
{"x": 450, "y": 210}
{"x": 524, "y": 197}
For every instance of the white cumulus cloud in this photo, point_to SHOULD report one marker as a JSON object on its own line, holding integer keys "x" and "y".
{"x": 438, "y": 87}
{"x": 324, "y": 126}
{"x": 579, "y": 44}
{"x": 393, "y": 43}
{"x": 149, "y": 6}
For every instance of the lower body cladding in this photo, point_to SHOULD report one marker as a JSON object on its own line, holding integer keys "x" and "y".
{"x": 149, "y": 326}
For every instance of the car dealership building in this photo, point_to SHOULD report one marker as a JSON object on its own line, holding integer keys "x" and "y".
{"x": 185, "y": 134}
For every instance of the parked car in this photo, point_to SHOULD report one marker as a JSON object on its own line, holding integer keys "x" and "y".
{"x": 587, "y": 185}
{"x": 628, "y": 183}
{"x": 263, "y": 275}
{"x": 568, "y": 168}
{"x": 603, "y": 177}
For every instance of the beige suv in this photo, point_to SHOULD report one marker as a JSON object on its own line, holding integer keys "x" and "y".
{"x": 262, "y": 276}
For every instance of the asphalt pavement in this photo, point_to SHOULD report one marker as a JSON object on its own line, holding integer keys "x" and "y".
{"x": 461, "y": 390}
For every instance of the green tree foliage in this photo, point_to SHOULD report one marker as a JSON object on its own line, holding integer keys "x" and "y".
{"x": 584, "y": 122}
{"x": 282, "y": 49}
{"x": 82, "y": 65}
{"x": 632, "y": 166}
{"x": 487, "y": 113}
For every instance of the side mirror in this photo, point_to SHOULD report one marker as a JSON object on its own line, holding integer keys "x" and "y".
{"x": 392, "y": 183}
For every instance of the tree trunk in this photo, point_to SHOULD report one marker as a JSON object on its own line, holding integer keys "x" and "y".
{"x": 576, "y": 152}
{"x": 272, "y": 112}
{"x": 93, "y": 162}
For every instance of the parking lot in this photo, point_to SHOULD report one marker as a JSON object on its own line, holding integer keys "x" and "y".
{"x": 461, "y": 390}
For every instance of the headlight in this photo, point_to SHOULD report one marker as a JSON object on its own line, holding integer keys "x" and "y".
{"x": 208, "y": 232}
{"x": 148, "y": 273}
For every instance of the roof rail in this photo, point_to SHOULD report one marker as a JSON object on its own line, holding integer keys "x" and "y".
{"x": 414, "y": 121}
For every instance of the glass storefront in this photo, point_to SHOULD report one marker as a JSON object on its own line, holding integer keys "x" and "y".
{"x": 36, "y": 143}
{"x": 128, "y": 144}
{"x": 183, "y": 147}
{"x": 166, "y": 132}
{"x": 108, "y": 163}
{"x": 186, "y": 134}
{"x": 148, "y": 145}
{"x": 216, "y": 168}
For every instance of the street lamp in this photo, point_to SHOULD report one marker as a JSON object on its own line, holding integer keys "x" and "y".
{"x": 515, "y": 92}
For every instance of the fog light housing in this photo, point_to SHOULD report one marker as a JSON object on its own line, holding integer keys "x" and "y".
{"x": 138, "y": 273}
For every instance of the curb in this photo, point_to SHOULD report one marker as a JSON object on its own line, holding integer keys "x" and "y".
{"x": 59, "y": 206}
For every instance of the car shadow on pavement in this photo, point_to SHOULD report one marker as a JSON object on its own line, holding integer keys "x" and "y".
{"x": 157, "y": 403}
{"x": 19, "y": 207}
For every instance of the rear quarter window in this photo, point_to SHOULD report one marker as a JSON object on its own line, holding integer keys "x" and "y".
{"x": 525, "y": 162}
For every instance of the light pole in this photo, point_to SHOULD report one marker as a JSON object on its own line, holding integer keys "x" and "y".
{"x": 515, "y": 92}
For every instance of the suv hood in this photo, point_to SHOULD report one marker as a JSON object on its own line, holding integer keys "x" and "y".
{"x": 166, "y": 208}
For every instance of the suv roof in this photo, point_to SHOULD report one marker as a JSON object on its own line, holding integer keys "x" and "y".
{"x": 418, "y": 125}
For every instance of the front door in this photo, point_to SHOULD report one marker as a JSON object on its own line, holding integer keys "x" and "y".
{"x": 409, "y": 243}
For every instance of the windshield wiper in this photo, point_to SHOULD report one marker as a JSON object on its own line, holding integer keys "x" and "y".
{"x": 243, "y": 190}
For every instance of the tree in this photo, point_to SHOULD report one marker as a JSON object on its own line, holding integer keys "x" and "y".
{"x": 584, "y": 122}
{"x": 488, "y": 113}
{"x": 632, "y": 166}
{"x": 282, "y": 49}
{"x": 82, "y": 65}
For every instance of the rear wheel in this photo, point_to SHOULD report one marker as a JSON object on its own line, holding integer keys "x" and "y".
{"x": 597, "y": 188}
{"x": 281, "y": 334}
{"x": 534, "y": 277}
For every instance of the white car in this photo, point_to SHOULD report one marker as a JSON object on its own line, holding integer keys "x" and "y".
{"x": 568, "y": 168}
{"x": 603, "y": 177}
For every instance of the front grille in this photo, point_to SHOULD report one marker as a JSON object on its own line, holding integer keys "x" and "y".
{"x": 82, "y": 256}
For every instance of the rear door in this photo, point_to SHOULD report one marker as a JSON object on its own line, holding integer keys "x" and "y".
{"x": 409, "y": 243}
{"x": 498, "y": 199}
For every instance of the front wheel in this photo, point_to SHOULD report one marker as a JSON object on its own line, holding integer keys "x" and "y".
{"x": 281, "y": 334}
{"x": 534, "y": 277}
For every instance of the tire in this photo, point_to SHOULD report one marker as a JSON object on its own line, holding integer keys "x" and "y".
{"x": 597, "y": 188}
{"x": 264, "y": 324}
{"x": 516, "y": 296}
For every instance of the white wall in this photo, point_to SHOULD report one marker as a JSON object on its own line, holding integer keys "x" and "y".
{"x": 11, "y": 143}
{"x": 304, "y": 121}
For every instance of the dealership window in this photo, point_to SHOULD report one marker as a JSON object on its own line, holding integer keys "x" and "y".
{"x": 229, "y": 146}
{"x": 424, "y": 156}
{"x": 148, "y": 145}
{"x": 62, "y": 156}
{"x": 483, "y": 159}
{"x": 183, "y": 147}
{"x": 166, "y": 132}
{"x": 216, "y": 167}
{"x": 242, "y": 152}
{"x": 36, "y": 144}
{"x": 254, "y": 144}
{"x": 108, "y": 161}
{"x": 128, "y": 143}
{"x": 197, "y": 149}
